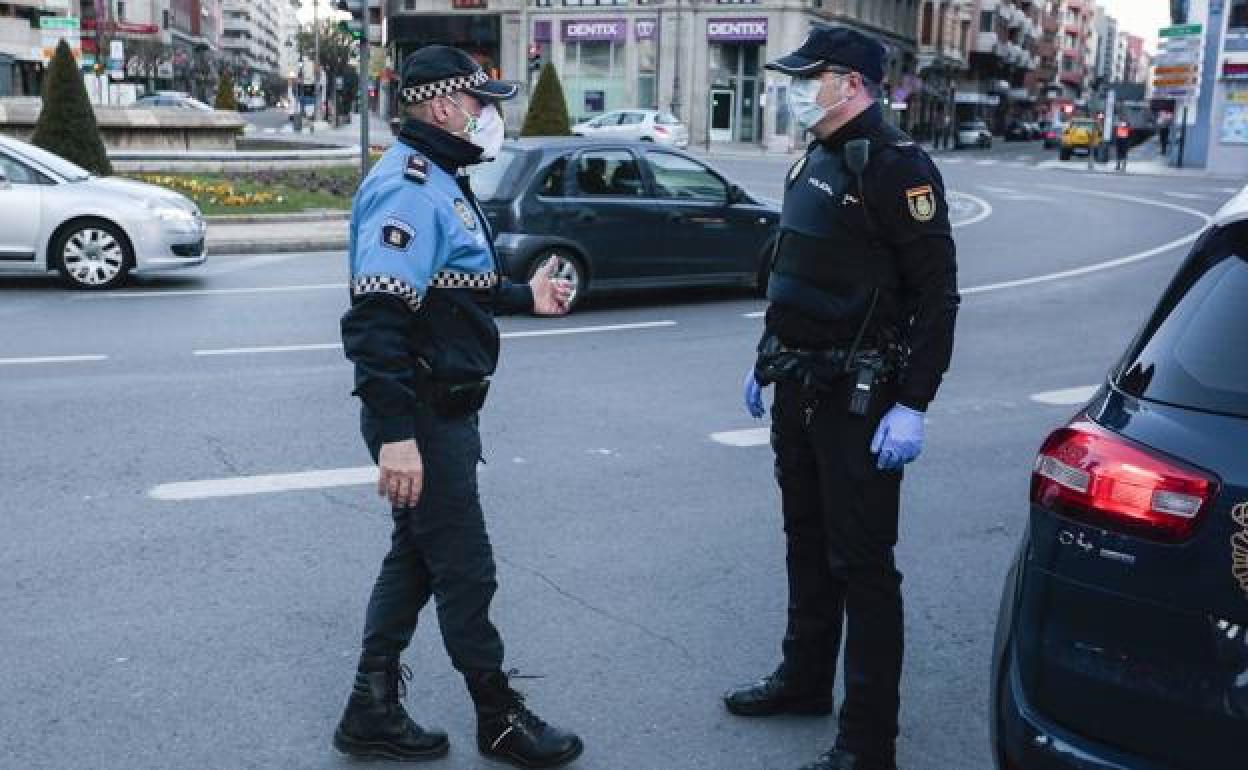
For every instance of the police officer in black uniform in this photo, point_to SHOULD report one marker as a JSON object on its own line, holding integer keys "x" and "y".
{"x": 859, "y": 332}
{"x": 425, "y": 286}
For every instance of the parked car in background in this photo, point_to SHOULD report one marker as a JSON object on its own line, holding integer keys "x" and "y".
{"x": 1080, "y": 135}
{"x": 93, "y": 230}
{"x": 175, "y": 99}
{"x": 1018, "y": 131}
{"x": 973, "y": 133}
{"x": 1051, "y": 133}
{"x": 1122, "y": 640}
{"x": 622, "y": 215}
{"x": 640, "y": 125}
{"x": 254, "y": 103}
{"x": 1034, "y": 128}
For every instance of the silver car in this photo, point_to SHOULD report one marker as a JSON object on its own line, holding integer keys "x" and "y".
{"x": 93, "y": 230}
{"x": 639, "y": 125}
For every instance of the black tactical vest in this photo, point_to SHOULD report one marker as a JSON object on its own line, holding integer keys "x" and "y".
{"x": 830, "y": 257}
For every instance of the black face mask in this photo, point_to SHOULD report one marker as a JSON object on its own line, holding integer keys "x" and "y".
{"x": 450, "y": 152}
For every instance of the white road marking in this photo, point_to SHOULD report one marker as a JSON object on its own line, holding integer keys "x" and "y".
{"x": 743, "y": 438}
{"x": 1186, "y": 196}
{"x": 258, "y": 485}
{"x": 985, "y": 209}
{"x": 505, "y": 335}
{"x": 998, "y": 190}
{"x": 985, "y": 163}
{"x": 951, "y": 161}
{"x": 1023, "y": 158}
{"x": 1109, "y": 264}
{"x": 587, "y": 329}
{"x": 51, "y": 360}
{"x": 1066, "y": 396}
{"x": 246, "y": 263}
{"x": 157, "y": 293}
{"x": 271, "y": 349}
{"x": 1229, "y": 190}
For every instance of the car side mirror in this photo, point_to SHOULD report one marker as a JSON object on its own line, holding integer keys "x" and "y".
{"x": 736, "y": 195}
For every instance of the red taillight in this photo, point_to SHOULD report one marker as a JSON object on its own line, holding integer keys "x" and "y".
{"x": 660, "y": 130}
{"x": 1050, "y": 134}
{"x": 1088, "y": 473}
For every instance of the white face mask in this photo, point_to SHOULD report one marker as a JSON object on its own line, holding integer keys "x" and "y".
{"x": 485, "y": 130}
{"x": 803, "y": 98}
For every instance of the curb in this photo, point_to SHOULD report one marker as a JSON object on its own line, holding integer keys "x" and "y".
{"x": 241, "y": 248}
{"x": 294, "y": 217}
{"x": 1171, "y": 173}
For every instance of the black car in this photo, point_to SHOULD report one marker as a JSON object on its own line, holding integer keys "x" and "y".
{"x": 1122, "y": 641}
{"x": 1018, "y": 131}
{"x": 623, "y": 215}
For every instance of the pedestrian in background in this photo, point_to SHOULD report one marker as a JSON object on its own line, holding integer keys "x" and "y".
{"x": 425, "y": 287}
{"x": 1163, "y": 133}
{"x": 859, "y": 332}
{"x": 1122, "y": 142}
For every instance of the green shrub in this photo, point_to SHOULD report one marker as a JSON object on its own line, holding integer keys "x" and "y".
{"x": 548, "y": 112}
{"x": 66, "y": 125}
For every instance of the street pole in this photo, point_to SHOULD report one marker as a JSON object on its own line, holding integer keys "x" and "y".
{"x": 676, "y": 70}
{"x": 316, "y": 62}
{"x": 1182, "y": 137}
{"x": 365, "y": 44}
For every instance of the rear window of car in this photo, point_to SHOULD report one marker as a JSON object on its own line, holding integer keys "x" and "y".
{"x": 487, "y": 178}
{"x": 664, "y": 119}
{"x": 1194, "y": 352}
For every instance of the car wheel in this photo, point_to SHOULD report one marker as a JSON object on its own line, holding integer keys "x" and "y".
{"x": 571, "y": 269}
{"x": 1065, "y": 153}
{"x": 92, "y": 254}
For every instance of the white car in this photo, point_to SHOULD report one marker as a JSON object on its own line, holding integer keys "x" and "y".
{"x": 642, "y": 125}
{"x": 256, "y": 103}
{"x": 93, "y": 230}
{"x": 974, "y": 133}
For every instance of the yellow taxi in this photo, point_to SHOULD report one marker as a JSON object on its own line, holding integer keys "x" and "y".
{"x": 1080, "y": 134}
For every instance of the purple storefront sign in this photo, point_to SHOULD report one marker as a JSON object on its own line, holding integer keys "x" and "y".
{"x": 595, "y": 29}
{"x": 736, "y": 30}
{"x": 543, "y": 31}
{"x": 646, "y": 29}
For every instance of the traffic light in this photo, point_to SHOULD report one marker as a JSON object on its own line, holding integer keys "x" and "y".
{"x": 535, "y": 57}
{"x": 356, "y": 24}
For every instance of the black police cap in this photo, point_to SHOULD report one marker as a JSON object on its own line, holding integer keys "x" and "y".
{"x": 828, "y": 47}
{"x": 439, "y": 70}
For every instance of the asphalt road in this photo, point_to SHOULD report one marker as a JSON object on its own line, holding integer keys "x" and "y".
{"x": 152, "y": 624}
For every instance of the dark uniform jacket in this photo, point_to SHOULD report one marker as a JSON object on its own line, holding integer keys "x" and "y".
{"x": 848, "y": 241}
{"x": 425, "y": 281}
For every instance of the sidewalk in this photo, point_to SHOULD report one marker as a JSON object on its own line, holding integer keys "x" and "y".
{"x": 1144, "y": 160}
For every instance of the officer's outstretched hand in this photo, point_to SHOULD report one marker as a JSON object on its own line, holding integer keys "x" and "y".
{"x": 550, "y": 294}
{"x": 899, "y": 439}
{"x": 402, "y": 473}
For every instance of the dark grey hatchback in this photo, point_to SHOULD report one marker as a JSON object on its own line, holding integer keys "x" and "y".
{"x": 622, "y": 215}
{"x": 1122, "y": 642}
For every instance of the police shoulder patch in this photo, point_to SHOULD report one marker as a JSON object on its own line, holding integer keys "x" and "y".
{"x": 921, "y": 202}
{"x": 416, "y": 169}
{"x": 396, "y": 234}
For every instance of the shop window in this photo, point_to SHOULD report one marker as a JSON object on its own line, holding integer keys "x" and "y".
{"x": 680, "y": 178}
{"x": 1239, "y": 14}
{"x": 986, "y": 21}
{"x": 594, "y": 77}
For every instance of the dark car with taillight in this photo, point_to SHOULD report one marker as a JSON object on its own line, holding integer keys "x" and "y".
{"x": 1122, "y": 640}
{"x": 622, "y": 215}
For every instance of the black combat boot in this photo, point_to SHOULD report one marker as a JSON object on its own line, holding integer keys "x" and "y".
{"x": 840, "y": 759}
{"x": 507, "y": 730}
{"x": 375, "y": 724}
{"x": 781, "y": 693}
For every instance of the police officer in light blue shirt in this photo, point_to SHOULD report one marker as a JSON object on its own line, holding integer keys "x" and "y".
{"x": 425, "y": 287}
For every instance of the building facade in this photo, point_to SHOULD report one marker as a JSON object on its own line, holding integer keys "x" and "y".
{"x": 998, "y": 86}
{"x": 702, "y": 62}
{"x": 251, "y": 38}
{"x": 22, "y": 56}
{"x": 944, "y": 43}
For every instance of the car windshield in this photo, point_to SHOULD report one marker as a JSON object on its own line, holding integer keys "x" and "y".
{"x": 195, "y": 103}
{"x": 1195, "y": 352}
{"x": 488, "y": 177}
{"x": 976, "y": 126}
{"x": 666, "y": 119}
{"x": 58, "y": 165}
{"x": 1083, "y": 124}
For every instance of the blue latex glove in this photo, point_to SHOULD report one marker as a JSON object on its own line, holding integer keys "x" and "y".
{"x": 753, "y": 395}
{"x": 899, "y": 439}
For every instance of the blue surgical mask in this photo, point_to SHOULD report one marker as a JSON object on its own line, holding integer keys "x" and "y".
{"x": 803, "y": 99}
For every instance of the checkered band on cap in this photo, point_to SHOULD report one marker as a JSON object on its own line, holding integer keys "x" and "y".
{"x": 449, "y": 279}
{"x": 386, "y": 284}
{"x": 426, "y": 91}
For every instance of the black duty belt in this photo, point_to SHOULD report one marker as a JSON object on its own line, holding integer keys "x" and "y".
{"x": 454, "y": 399}
{"x": 828, "y": 368}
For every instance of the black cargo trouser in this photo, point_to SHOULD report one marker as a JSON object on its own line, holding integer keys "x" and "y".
{"x": 840, "y": 522}
{"x": 439, "y": 549}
